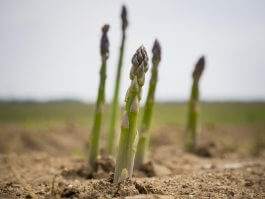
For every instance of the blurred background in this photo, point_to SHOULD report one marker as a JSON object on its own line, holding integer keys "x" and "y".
{"x": 50, "y": 49}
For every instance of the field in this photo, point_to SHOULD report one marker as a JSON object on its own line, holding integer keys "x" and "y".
{"x": 43, "y": 149}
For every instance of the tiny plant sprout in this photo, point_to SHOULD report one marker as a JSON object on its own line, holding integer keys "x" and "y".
{"x": 193, "y": 106}
{"x": 145, "y": 132}
{"x": 129, "y": 135}
{"x": 95, "y": 134}
{"x": 115, "y": 100}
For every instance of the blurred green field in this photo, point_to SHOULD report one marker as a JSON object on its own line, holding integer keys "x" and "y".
{"x": 32, "y": 114}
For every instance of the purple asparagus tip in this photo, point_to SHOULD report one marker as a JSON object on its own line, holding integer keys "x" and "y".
{"x": 104, "y": 42}
{"x": 199, "y": 68}
{"x": 124, "y": 18}
{"x": 156, "y": 52}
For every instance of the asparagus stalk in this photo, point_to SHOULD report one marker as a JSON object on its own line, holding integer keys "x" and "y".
{"x": 193, "y": 106}
{"x": 115, "y": 101}
{"x": 145, "y": 132}
{"x": 94, "y": 139}
{"x": 129, "y": 134}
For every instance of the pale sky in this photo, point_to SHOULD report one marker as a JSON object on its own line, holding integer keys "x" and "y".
{"x": 50, "y": 49}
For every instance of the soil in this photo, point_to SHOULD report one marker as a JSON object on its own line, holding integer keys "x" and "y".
{"x": 50, "y": 163}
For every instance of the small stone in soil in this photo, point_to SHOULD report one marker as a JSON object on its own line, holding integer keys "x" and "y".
{"x": 248, "y": 183}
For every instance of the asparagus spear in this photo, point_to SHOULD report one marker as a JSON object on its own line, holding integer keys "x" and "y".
{"x": 115, "y": 101}
{"x": 145, "y": 133}
{"x": 193, "y": 106}
{"x": 129, "y": 134}
{"x": 94, "y": 139}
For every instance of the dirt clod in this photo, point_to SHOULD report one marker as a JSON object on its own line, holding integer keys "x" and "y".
{"x": 248, "y": 183}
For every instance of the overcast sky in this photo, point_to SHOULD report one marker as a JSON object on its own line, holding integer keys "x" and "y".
{"x": 50, "y": 49}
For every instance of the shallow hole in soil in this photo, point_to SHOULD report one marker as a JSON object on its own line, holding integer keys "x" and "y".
{"x": 105, "y": 166}
{"x": 102, "y": 182}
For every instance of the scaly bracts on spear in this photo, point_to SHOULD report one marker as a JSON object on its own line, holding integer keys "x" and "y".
{"x": 115, "y": 102}
{"x": 129, "y": 134}
{"x": 95, "y": 134}
{"x": 193, "y": 106}
{"x": 145, "y": 132}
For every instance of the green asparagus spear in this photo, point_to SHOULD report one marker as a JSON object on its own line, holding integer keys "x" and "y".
{"x": 129, "y": 134}
{"x": 115, "y": 101}
{"x": 193, "y": 106}
{"x": 94, "y": 139}
{"x": 145, "y": 132}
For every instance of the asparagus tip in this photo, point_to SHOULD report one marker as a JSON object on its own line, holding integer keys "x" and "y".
{"x": 124, "y": 17}
{"x": 104, "y": 43}
{"x": 199, "y": 68}
{"x": 105, "y": 28}
{"x": 156, "y": 51}
{"x": 140, "y": 57}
